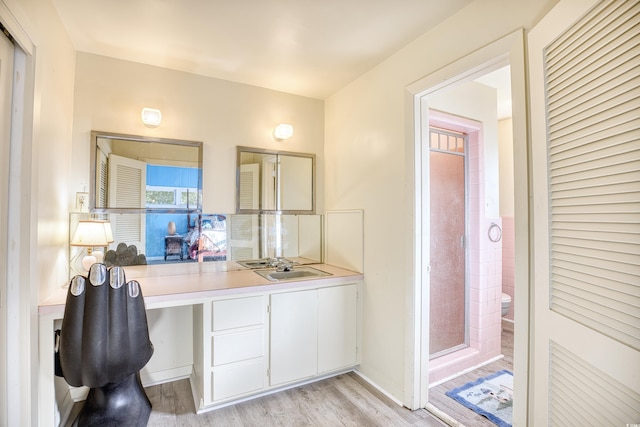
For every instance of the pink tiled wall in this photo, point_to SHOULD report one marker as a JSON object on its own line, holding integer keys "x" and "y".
{"x": 485, "y": 281}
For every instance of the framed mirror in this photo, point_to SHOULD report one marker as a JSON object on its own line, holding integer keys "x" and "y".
{"x": 137, "y": 173}
{"x": 275, "y": 181}
{"x": 229, "y": 240}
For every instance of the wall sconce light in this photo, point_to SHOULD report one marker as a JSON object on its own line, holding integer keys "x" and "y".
{"x": 282, "y": 132}
{"x": 151, "y": 117}
{"x": 91, "y": 234}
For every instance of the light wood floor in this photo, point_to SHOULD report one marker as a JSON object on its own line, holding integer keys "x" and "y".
{"x": 345, "y": 400}
{"x": 456, "y": 410}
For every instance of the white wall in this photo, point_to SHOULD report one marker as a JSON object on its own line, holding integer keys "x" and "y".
{"x": 477, "y": 102}
{"x": 44, "y": 176}
{"x": 110, "y": 93}
{"x": 369, "y": 167}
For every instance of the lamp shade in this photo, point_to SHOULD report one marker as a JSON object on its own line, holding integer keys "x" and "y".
{"x": 91, "y": 233}
{"x": 108, "y": 231}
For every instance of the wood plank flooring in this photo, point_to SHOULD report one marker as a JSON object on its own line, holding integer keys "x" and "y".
{"x": 460, "y": 413}
{"x": 344, "y": 400}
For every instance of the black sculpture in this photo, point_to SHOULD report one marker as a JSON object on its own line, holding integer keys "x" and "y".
{"x": 124, "y": 255}
{"x": 104, "y": 342}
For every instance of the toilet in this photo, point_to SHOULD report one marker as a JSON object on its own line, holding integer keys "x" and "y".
{"x": 506, "y": 304}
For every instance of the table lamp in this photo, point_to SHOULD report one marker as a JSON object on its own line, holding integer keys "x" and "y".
{"x": 91, "y": 234}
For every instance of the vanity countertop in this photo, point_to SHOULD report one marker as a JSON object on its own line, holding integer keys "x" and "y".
{"x": 165, "y": 285}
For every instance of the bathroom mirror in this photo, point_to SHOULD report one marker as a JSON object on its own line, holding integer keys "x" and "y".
{"x": 179, "y": 237}
{"x": 141, "y": 173}
{"x": 270, "y": 180}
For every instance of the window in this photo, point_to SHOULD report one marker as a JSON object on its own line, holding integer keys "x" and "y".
{"x": 171, "y": 197}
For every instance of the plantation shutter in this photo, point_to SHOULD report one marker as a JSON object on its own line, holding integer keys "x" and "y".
{"x": 249, "y": 187}
{"x": 593, "y": 116}
{"x": 242, "y": 237}
{"x": 102, "y": 180}
{"x": 127, "y": 189}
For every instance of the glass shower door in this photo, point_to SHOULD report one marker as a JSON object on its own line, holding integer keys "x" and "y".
{"x": 448, "y": 290}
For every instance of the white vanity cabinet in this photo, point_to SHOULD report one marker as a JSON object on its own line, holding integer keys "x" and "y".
{"x": 337, "y": 327}
{"x": 294, "y": 336}
{"x": 312, "y": 332}
{"x": 249, "y": 345}
{"x": 232, "y": 360}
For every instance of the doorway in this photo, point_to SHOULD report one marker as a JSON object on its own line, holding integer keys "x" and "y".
{"x": 460, "y": 223}
{"x": 508, "y": 51}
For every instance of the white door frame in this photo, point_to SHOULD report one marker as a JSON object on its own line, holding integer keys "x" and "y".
{"x": 21, "y": 296}
{"x": 508, "y": 50}
{"x": 6, "y": 87}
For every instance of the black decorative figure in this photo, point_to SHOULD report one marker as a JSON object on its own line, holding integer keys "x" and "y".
{"x": 104, "y": 342}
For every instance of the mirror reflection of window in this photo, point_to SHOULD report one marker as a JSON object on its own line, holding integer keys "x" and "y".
{"x": 123, "y": 165}
{"x": 171, "y": 187}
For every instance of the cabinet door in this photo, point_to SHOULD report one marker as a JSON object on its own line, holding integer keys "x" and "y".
{"x": 294, "y": 336}
{"x": 337, "y": 327}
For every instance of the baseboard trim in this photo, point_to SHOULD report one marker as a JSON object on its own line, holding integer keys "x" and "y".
{"x": 377, "y": 387}
{"x": 168, "y": 375}
{"x": 234, "y": 400}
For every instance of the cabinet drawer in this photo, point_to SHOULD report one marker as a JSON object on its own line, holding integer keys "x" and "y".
{"x": 239, "y": 379}
{"x": 238, "y": 313}
{"x": 238, "y": 346}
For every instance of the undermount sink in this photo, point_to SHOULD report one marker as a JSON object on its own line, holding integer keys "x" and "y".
{"x": 297, "y": 273}
{"x": 263, "y": 262}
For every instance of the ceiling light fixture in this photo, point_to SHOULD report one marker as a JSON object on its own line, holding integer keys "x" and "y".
{"x": 282, "y": 132}
{"x": 151, "y": 117}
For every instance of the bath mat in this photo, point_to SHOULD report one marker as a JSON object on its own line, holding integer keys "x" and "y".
{"x": 489, "y": 396}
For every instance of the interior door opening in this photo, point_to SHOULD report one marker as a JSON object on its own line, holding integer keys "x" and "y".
{"x": 485, "y": 191}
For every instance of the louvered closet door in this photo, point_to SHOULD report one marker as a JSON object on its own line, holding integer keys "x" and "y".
{"x": 243, "y": 230}
{"x": 127, "y": 189}
{"x": 585, "y": 110}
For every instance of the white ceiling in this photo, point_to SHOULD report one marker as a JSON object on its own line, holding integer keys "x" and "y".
{"x": 305, "y": 47}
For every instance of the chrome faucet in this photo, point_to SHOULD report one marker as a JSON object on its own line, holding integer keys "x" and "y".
{"x": 284, "y": 265}
{"x": 273, "y": 262}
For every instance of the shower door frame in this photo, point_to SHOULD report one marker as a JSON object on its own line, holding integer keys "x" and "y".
{"x": 452, "y": 129}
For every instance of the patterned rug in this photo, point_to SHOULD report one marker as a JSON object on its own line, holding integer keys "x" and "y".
{"x": 489, "y": 396}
